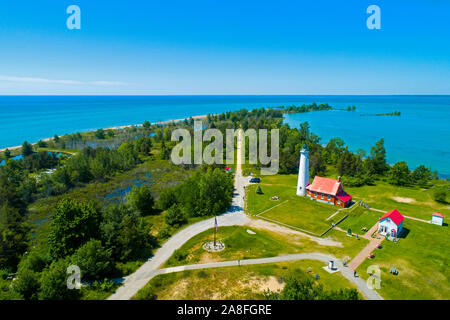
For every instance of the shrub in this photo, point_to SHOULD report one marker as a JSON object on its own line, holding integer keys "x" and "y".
{"x": 440, "y": 195}
{"x": 167, "y": 198}
{"x": 27, "y": 284}
{"x": 93, "y": 259}
{"x": 180, "y": 255}
{"x": 164, "y": 233}
{"x": 175, "y": 216}
{"x": 141, "y": 199}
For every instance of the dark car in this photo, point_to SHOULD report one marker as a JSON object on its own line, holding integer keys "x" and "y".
{"x": 255, "y": 180}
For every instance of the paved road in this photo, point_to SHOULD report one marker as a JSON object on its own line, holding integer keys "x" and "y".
{"x": 234, "y": 216}
{"x": 346, "y": 272}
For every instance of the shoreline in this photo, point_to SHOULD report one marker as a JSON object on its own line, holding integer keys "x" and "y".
{"x": 114, "y": 128}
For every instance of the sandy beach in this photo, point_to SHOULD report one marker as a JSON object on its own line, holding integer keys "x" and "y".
{"x": 119, "y": 128}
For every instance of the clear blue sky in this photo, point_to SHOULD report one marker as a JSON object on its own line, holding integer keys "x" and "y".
{"x": 225, "y": 47}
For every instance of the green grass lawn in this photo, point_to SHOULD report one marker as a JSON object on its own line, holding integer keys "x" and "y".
{"x": 360, "y": 218}
{"x": 242, "y": 283}
{"x": 239, "y": 244}
{"x": 422, "y": 259}
{"x": 300, "y": 212}
{"x": 386, "y": 197}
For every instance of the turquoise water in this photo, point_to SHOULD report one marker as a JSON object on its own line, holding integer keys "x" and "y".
{"x": 421, "y": 135}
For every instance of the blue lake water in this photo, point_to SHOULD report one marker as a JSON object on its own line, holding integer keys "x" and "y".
{"x": 421, "y": 135}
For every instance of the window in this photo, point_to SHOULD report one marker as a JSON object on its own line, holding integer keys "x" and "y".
{"x": 315, "y": 194}
{"x": 329, "y": 198}
{"x": 338, "y": 202}
{"x": 321, "y": 195}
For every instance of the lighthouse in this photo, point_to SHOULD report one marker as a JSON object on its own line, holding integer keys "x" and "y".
{"x": 303, "y": 171}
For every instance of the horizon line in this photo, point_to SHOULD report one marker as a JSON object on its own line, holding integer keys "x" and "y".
{"x": 221, "y": 94}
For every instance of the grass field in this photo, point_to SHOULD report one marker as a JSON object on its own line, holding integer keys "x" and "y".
{"x": 422, "y": 261}
{"x": 299, "y": 212}
{"x": 410, "y": 201}
{"x": 239, "y": 244}
{"x": 241, "y": 283}
{"x": 359, "y": 218}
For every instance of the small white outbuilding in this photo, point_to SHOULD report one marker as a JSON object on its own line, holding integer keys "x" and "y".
{"x": 437, "y": 218}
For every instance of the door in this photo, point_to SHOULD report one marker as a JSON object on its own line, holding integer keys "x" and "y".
{"x": 393, "y": 232}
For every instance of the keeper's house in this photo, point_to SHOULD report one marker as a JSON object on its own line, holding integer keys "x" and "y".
{"x": 391, "y": 223}
{"x": 328, "y": 191}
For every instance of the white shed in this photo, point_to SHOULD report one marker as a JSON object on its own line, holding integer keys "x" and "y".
{"x": 437, "y": 218}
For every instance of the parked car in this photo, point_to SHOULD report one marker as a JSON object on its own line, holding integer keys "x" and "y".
{"x": 255, "y": 180}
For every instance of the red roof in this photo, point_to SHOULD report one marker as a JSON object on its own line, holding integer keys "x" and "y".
{"x": 437, "y": 214}
{"x": 344, "y": 196}
{"x": 324, "y": 185}
{"x": 395, "y": 216}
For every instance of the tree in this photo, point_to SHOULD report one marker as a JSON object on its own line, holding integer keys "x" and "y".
{"x": 7, "y": 154}
{"x": 349, "y": 164}
{"x": 100, "y": 134}
{"x": 165, "y": 152}
{"x": 11, "y": 182}
{"x": 54, "y": 282}
{"x": 167, "y": 198}
{"x": 56, "y": 138}
{"x": 125, "y": 232}
{"x": 73, "y": 224}
{"x": 421, "y": 176}
{"x": 141, "y": 199}
{"x": 378, "y": 164}
{"x": 27, "y": 149}
{"x": 294, "y": 289}
{"x": 42, "y": 144}
{"x": 143, "y": 145}
{"x": 27, "y": 284}
{"x": 175, "y": 216}
{"x": 14, "y": 236}
{"x": 146, "y": 124}
{"x": 35, "y": 261}
{"x": 93, "y": 259}
{"x": 207, "y": 193}
{"x": 258, "y": 190}
{"x": 399, "y": 174}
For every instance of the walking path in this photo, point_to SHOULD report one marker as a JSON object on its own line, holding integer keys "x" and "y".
{"x": 339, "y": 210}
{"x": 346, "y": 272}
{"x": 364, "y": 253}
{"x": 234, "y": 216}
{"x": 407, "y": 217}
{"x": 271, "y": 208}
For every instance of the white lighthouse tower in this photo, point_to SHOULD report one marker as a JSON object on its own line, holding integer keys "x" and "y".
{"x": 303, "y": 171}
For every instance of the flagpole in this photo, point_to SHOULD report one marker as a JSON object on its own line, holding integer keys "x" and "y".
{"x": 215, "y": 229}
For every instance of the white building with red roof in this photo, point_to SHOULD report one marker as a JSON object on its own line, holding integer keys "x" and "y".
{"x": 329, "y": 191}
{"x": 437, "y": 218}
{"x": 391, "y": 223}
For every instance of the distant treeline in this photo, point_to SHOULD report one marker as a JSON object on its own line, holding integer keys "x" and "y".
{"x": 395, "y": 113}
